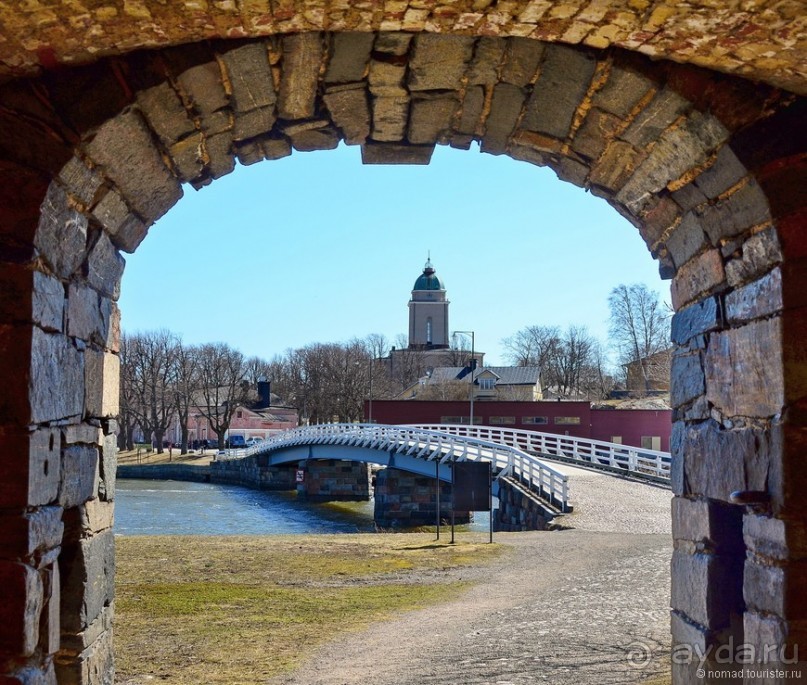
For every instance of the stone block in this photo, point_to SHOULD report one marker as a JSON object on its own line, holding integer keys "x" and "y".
{"x": 725, "y": 172}
{"x": 505, "y": 109}
{"x": 716, "y": 525}
{"x": 572, "y": 171}
{"x": 350, "y": 111}
{"x": 616, "y": 166}
{"x": 775, "y": 538}
{"x": 760, "y": 299}
{"x": 302, "y": 54}
{"x": 696, "y": 319}
{"x": 29, "y": 474}
{"x": 387, "y": 153}
{"x": 36, "y": 530}
{"x": 80, "y": 181}
{"x": 88, "y": 569}
{"x": 20, "y": 609}
{"x": 472, "y": 107}
{"x": 697, "y": 278}
{"x": 61, "y": 235}
{"x": 109, "y": 464}
{"x": 203, "y": 89}
{"x": 165, "y": 113}
{"x": 221, "y": 158}
{"x": 522, "y": 58}
{"x": 780, "y": 590}
{"x": 47, "y": 304}
{"x": 123, "y": 147}
{"x": 484, "y": 67}
{"x": 105, "y": 268}
{"x": 82, "y": 434}
{"x": 714, "y": 458}
{"x": 743, "y": 209}
{"x": 77, "y": 643}
{"x": 248, "y": 152}
{"x": 87, "y": 314}
{"x": 559, "y": 91}
{"x": 275, "y": 147}
{"x": 125, "y": 229}
{"x": 50, "y": 626}
{"x": 396, "y": 44}
{"x": 189, "y": 156}
{"x": 689, "y": 197}
{"x": 686, "y": 239}
{"x": 79, "y": 475}
{"x": 438, "y": 62}
{"x": 430, "y": 118}
{"x": 87, "y": 519}
{"x": 112, "y": 342}
{"x": 762, "y": 631}
{"x": 321, "y": 138}
{"x": 759, "y": 253}
{"x": 253, "y": 123}
{"x": 386, "y": 79}
{"x": 623, "y": 90}
{"x": 250, "y": 77}
{"x": 350, "y": 57}
{"x": 597, "y": 129}
{"x": 707, "y": 588}
{"x": 687, "y": 380}
{"x": 390, "y": 116}
{"x": 654, "y": 119}
{"x": 102, "y": 383}
{"x": 56, "y": 378}
{"x": 677, "y": 152}
{"x": 744, "y": 373}
{"x": 94, "y": 665}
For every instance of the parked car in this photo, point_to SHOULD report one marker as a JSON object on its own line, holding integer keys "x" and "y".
{"x": 236, "y": 442}
{"x": 253, "y": 441}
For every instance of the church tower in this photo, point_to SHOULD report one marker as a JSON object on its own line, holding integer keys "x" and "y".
{"x": 428, "y": 312}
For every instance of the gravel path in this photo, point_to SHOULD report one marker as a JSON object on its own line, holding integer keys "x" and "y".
{"x": 583, "y": 606}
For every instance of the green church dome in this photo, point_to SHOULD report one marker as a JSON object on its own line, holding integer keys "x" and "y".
{"x": 428, "y": 279}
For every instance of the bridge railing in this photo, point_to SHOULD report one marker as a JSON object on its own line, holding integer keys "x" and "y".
{"x": 507, "y": 460}
{"x": 638, "y": 461}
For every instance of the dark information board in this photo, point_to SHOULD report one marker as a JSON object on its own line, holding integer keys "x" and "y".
{"x": 471, "y": 485}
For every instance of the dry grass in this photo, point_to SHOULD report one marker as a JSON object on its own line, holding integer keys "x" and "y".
{"x": 242, "y": 609}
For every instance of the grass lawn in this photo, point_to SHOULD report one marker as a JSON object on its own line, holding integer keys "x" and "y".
{"x": 242, "y": 609}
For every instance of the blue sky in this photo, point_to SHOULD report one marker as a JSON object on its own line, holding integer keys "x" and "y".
{"x": 317, "y": 247}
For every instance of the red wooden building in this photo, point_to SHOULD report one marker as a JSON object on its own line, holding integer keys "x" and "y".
{"x": 648, "y": 428}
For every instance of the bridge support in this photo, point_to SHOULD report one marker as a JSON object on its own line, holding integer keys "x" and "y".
{"x": 405, "y": 500}
{"x": 254, "y": 472}
{"x": 519, "y": 509}
{"x": 333, "y": 480}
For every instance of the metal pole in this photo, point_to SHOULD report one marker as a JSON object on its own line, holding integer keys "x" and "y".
{"x": 437, "y": 476}
{"x": 490, "y": 500}
{"x": 473, "y": 368}
{"x": 453, "y": 463}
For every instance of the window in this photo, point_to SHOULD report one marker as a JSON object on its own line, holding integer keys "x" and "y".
{"x": 651, "y": 442}
{"x": 239, "y": 414}
{"x": 535, "y": 420}
{"x": 461, "y": 419}
{"x": 429, "y": 331}
{"x": 502, "y": 420}
{"x": 487, "y": 383}
{"x": 616, "y": 439}
{"x": 567, "y": 420}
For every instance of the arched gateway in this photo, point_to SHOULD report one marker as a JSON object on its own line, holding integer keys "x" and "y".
{"x": 98, "y": 134}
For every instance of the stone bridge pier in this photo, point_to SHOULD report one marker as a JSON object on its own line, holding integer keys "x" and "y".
{"x": 407, "y": 500}
{"x": 333, "y": 480}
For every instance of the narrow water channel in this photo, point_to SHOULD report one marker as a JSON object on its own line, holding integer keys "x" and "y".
{"x": 152, "y": 507}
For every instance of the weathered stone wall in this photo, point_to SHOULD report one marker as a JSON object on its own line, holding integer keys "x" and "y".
{"x": 181, "y": 472}
{"x": 253, "y": 472}
{"x": 710, "y": 169}
{"x": 333, "y": 480}
{"x": 762, "y": 39}
{"x": 519, "y": 509}
{"x": 406, "y": 500}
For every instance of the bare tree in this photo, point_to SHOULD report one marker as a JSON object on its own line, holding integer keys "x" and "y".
{"x": 223, "y": 385}
{"x": 640, "y": 329}
{"x": 186, "y": 360}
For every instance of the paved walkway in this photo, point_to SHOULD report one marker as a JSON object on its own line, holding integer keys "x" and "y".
{"x": 583, "y": 606}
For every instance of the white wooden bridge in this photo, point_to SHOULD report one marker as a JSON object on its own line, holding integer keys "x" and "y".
{"x": 429, "y": 450}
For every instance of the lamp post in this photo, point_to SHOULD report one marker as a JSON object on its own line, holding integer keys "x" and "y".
{"x": 471, "y": 365}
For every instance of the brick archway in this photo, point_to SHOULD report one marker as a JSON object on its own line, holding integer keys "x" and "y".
{"x": 708, "y": 167}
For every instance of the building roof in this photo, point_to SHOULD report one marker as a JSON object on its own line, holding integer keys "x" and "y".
{"x": 428, "y": 280}
{"x": 505, "y": 375}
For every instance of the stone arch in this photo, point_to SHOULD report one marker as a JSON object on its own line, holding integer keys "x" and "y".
{"x": 708, "y": 167}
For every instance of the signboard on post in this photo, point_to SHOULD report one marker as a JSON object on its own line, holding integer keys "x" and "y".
{"x": 471, "y": 486}
{"x": 300, "y": 476}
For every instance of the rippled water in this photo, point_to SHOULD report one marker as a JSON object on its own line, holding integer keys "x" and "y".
{"x": 152, "y": 507}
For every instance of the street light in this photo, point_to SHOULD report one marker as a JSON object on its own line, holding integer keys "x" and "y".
{"x": 471, "y": 365}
